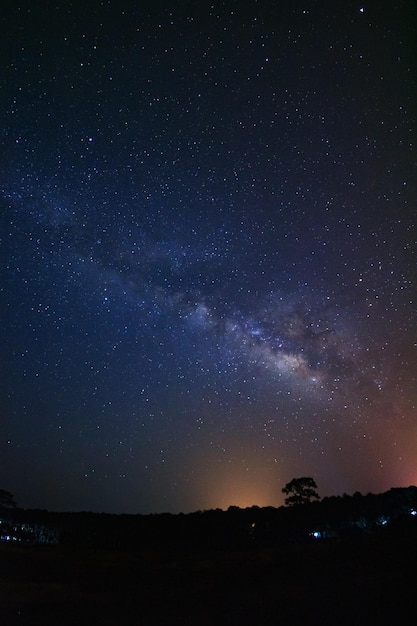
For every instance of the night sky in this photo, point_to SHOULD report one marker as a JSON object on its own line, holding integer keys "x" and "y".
{"x": 208, "y": 254}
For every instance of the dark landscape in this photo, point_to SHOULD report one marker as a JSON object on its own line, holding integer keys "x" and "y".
{"x": 344, "y": 560}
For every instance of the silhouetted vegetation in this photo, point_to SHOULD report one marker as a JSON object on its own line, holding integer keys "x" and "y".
{"x": 6, "y": 500}
{"x": 300, "y": 491}
{"x": 335, "y": 517}
{"x": 344, "y": 560}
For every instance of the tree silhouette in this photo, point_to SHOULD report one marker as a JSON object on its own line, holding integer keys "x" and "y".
{"x": 6, "y": 500}
{"x": 300, "y": 491}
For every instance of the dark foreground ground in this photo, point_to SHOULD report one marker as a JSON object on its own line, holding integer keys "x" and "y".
{"x": 371, "y": 580}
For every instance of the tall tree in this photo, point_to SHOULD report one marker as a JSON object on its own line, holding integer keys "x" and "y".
{"x": 300, "y": 491}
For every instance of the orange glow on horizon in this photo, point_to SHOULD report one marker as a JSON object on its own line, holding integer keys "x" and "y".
{"x": 235, "y": 486}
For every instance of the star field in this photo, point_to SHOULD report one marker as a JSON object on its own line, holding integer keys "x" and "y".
{"x": 208, "y": 252}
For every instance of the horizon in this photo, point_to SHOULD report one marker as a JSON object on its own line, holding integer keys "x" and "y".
{"x": 193, "y": 511}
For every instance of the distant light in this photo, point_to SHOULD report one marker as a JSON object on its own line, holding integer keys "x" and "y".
{"x": 413, "y": 512}
{"x": 316, "y": 534}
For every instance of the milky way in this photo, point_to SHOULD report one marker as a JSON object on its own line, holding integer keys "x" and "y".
{"x": 208, "y": 252}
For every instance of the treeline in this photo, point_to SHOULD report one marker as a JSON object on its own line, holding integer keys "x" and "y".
{"x": 333, "y": 518}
